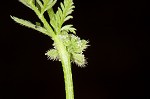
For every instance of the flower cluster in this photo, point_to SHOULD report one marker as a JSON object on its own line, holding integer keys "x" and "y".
{"x": 75, "y": 47}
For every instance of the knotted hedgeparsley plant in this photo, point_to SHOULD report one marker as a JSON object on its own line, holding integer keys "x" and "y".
{"x": 68, "y": 47}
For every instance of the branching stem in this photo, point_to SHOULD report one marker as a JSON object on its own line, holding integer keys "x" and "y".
{"x": 41, "y": 17}
{"x": 67, "y": 47}
{"x": 63, "y": 54}
{"x": 64, "y": 57}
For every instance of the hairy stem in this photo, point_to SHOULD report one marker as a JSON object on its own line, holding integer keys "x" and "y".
{"x": 67, "y": 47}
{"x": 41, "y": 17}
{"x": 66, "y": 64}
{"x": 64, "y": 57}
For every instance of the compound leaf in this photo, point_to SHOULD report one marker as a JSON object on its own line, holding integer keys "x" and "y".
{"x": 30, "y": 25}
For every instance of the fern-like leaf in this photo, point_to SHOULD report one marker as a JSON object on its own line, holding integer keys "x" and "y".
{"x": 39, "y": 3}
{"x": 62, "y": 15}
{"x": 47, "y": 5}
{"x": 50, "y": 13}
{"x": 25, "y": 2}
{"x": 30, "y": 25}
{"x": 68, "y": 28}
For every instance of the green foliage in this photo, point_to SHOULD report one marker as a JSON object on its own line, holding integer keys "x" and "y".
{"x": 67, "y": 46}
{"x": 73, "y": 44}
{"x": 68, "y": 28}
{"x": 26, "y": 3}
{"x": 30, "y": 25}
{"x": 62, "y": 15}
{"x": 47, "y": 5}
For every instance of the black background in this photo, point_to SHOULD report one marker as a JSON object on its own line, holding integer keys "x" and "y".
{"x": 118, "y": 58}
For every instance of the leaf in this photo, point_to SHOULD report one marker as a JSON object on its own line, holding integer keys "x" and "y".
{"x": 69, "y": 28}
{"x": 25, "y": 2}
{"x": 50, "y": 13}
{"x": 62, "y": 15}
{"x": 45, "y": 1}
{"x": 39, "y": 5}
{"x": 48, "y": 5}
{"x": 68, "y": 17}
{"x": 62, "y": 5}
{"x": 30, "y": 25}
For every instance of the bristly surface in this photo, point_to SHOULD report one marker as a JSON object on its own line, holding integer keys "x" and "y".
{"x": 73, "y": 44}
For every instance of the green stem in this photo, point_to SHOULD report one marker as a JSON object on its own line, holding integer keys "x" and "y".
{"x": 41, "y": 17}
{"x": 66, "y": 64}
{"x": 63, "y": 54}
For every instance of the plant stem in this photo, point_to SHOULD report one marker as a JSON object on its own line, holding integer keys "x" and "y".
{"x": 41, "y": 17}
{"x": 66, "y": 64}
{"x": 64, "y": 58}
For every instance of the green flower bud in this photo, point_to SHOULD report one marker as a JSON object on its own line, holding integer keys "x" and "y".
{"x": 52, "y": 54}
{"x": 79, "y": 59}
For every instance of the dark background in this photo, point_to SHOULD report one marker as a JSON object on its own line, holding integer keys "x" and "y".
{"x": 118, "y": 58}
